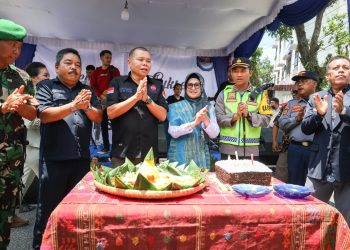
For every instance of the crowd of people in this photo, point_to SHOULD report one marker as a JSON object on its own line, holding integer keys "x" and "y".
{"x": 56, "y": 117}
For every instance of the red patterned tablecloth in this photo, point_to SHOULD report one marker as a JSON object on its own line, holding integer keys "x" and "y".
{"x": 210, "y": 219}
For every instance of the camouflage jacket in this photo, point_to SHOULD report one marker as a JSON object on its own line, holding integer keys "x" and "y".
{"x": 12, "y": 129}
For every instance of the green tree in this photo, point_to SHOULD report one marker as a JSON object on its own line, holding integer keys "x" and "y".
{"x": 308, "y": 48}
{"x": 262, "y": 68}
{"x": 337, "y": 35}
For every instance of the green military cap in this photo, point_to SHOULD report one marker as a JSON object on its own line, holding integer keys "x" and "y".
{"x": 11, "y": 31}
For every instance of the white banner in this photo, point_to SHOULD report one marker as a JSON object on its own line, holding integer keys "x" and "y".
{"x": 173, "y": 68}
{"x": 176, "y": 68}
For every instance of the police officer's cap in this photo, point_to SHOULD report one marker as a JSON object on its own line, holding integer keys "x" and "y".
{"x": 241, "y": 62}
{"x": 306, "y": 75}
{"x": 11, "y": 31}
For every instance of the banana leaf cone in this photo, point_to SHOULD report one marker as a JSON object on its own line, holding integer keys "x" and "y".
{"x": 113, "y": 176}
{"x": 174, "y": 170}
{"x": 127, "y": 166}
{"x": 163, "y": 166}
{"x": 193, "y": 169}
{"x": 142, "y": 183}
{"x": 149, "y": 158}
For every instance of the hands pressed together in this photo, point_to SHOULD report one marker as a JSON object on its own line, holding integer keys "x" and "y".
{"x": 141, "y": 92}
{"x": 17, "y": 100}
{"x": 242, "y": 111}
{"x": 82, "y": 100}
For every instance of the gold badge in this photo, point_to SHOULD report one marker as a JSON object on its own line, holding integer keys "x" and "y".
{"x": 239, "y": 60}
{"x": 231, "y": 97}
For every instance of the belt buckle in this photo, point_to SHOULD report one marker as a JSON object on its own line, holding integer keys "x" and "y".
{"x": 305, "y": 143}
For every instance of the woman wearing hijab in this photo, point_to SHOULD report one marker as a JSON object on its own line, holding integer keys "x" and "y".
{"x": 191, "y": 122}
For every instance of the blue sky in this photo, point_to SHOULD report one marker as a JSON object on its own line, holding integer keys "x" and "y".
{"x": 267, "y": 43}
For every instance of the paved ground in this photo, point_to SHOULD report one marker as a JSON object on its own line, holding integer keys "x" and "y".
{"x": 22, "y": 237}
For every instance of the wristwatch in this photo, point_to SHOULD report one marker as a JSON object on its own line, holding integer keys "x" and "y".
{"x": 148, "y": 100}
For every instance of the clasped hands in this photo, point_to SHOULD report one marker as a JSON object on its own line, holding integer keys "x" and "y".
{"x": 322, "y": 105}
{"x": 242, "y": 111}
{"x": 17, "y": 100}
{"x": 141, "y": 92}
{"x": 82, "y": 100}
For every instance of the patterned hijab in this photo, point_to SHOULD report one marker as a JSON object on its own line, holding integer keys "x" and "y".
{"x": 198, "y": 103}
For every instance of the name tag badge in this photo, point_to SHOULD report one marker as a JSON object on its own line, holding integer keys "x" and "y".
{"x": 231, "y": 97}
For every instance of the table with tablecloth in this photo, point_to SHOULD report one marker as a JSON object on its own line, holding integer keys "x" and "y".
{"x": 213, "y": 218}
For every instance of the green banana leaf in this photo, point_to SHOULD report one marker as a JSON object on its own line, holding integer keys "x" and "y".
{"x": 183, "y": 184}
{"x": 114, "y": 177}
{"x": 119, "y": 183}
{"x": 127, "y": 166}
{"x": 149, "y": 158}
{"x": 142, "y": 183}
{"x": 172, "y": 169}
{"x": 99, "y": 171}
{"x": 181, "y": 167}
{"x": 193, "y": 169}
{"x": 163, "y": 165}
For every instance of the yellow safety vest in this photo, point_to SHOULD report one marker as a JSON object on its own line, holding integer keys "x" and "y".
{"x": 235, "y": 135}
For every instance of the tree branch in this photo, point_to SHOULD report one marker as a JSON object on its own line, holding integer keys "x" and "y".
{"x": 303, "y": 46}
{"x": 316, "y": 34}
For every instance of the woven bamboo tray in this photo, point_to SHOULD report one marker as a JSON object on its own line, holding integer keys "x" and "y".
{"x": 148, "y": 194}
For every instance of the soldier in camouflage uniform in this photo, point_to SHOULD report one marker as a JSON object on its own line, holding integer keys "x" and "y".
{"x": 16, "y": 101}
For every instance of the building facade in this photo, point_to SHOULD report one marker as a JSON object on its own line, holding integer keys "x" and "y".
{"x": 287, "y": 59}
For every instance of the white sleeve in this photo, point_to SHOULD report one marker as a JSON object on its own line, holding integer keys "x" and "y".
{"x": 213, "y": 129}
{"x": 177, "y": 131}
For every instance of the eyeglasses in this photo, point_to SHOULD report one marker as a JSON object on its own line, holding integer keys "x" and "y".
{"x": 193, "y": 85}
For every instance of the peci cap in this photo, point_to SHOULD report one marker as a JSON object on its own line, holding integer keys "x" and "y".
{"x": 241, "y": 62}
{"x": 306, "y": 75}
{"x": 11, "y": 31}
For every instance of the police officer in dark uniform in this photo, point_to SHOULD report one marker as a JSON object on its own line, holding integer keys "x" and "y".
{"x": 67, "y": 109}
{"x": 16, "y": 101}
{"x": 135, "y": 105}
{"x": 290, "y": 122}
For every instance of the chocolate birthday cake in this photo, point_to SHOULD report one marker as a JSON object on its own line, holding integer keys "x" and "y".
{"x": 243, "y": 171}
